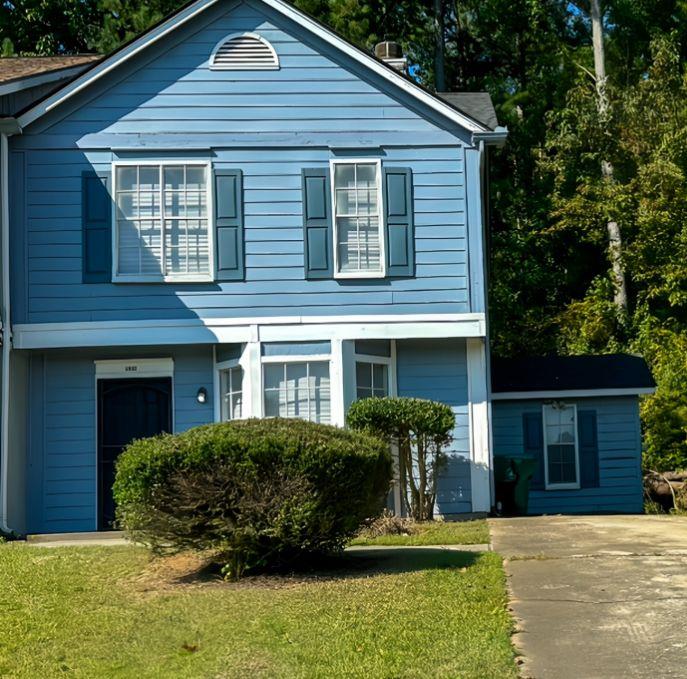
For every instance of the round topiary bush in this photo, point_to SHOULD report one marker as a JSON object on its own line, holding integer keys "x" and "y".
{"x": 256, "y": 492}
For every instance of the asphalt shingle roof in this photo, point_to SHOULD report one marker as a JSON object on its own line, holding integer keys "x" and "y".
{"x": 478, "y": 105}
{"x": 16, "y": 68}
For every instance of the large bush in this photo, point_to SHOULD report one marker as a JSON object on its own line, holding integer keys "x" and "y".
{"x": 420, "y": 430}
{"x": 256, "y": 492}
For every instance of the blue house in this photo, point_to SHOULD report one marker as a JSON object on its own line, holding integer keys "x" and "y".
{"x": 238, "y": 214}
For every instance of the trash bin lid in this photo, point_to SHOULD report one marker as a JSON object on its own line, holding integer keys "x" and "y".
{"x": 525, "y": 466}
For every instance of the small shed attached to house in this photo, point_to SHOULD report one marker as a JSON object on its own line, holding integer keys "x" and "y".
{"x": 578, "y": 416}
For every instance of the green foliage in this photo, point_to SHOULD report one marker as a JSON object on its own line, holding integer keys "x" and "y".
{"x": 421, "y": 430}
{"x": 256, "y": 492}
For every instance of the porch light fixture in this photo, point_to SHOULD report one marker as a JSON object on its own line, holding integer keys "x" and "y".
{"x": 202, "y": 395}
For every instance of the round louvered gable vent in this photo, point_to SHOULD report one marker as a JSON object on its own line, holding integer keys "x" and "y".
{"x": 244, "y": 52}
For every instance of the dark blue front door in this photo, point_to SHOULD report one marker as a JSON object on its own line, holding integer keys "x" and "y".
{"x": 127, "y": 410}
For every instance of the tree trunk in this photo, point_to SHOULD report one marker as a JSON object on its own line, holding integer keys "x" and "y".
{"x": 615, "y": 241}
{"x": 439, "y": 55}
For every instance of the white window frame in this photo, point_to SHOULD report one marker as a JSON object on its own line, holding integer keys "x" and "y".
{"x": 173, "y": 278}
{"x": 219, "y": 369}
{"x": 561, "y": 486}
{"x": 300, "y": 358}
{"x": 380, "y": 201}
{"x": 372, "y": 360}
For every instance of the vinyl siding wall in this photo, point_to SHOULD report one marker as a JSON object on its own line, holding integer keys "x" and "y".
{"x": 62, "y": 458}
{"x": 269, "y": 124}
{"x": 619, "y": 440}
{"x": 437, "y": 370}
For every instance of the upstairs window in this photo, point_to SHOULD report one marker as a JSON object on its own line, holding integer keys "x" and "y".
{"x": 244, "y": 52}
{"x": 162, "y": 226}
{"x": 359, "y": 251}
{"x": 562, "y": 463}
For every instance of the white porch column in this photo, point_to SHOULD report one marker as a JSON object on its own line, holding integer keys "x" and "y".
{"x": 478, "y": 413}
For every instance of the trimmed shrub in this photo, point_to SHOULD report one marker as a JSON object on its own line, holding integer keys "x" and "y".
{"x": 421, "y": 430}
{"x": 257, "y": 492}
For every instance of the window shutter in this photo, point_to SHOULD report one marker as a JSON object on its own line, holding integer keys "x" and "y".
{"x": 533, "y": 437}
{"x": 229, "y": 241}
{"x": 588, "y": 448}
{"x": 398, "y": 228}
{"x": 317, "y": 223}
{"x": 96, "y": 227}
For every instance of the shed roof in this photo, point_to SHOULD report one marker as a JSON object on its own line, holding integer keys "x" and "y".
{"x": 548, "y": 374}
{"x": 478, "y": 105}
{"x": 17, "y": 68}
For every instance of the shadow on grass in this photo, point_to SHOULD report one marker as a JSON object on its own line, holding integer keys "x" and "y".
{"x": 193, "y": 570}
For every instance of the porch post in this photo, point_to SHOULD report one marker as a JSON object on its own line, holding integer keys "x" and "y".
{"x": 478, "y": 413}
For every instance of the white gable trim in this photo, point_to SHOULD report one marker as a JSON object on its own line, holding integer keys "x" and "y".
{"x": 569, "y": 393}
{"x": 185, "y": 15}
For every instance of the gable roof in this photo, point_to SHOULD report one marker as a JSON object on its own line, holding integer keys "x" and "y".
{"x": 478, "y": 105}
{"x": 567, "y": 375}
{"x": 196, "y": 7}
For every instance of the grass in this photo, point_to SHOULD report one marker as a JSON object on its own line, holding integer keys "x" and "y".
{"x": 112, "y": 612}
{"x": 436, "y": 533}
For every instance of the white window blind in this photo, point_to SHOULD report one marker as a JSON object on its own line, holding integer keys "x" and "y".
{"x": 299, "y": 389}
{"x": 162, "y": 222}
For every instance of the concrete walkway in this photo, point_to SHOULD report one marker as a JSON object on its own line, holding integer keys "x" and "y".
{"x": 601, "y": 596}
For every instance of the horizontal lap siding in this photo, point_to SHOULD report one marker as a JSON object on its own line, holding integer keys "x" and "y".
{"x": 62, "y": 425}
{"x": 176, "y": 93}
{"x": 437, "y": 370}
{"x": 620, "y": 481}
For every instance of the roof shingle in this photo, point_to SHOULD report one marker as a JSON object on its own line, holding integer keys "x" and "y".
{"x": 16, "y": 68}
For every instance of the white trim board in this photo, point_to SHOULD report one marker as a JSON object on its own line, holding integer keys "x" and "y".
{"x": 228, "y": 331}
{"x": 303, "y": 20}
{"x": 571, "y": 393}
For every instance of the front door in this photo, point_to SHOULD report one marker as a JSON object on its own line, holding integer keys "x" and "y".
{"x": 128, "y": 409}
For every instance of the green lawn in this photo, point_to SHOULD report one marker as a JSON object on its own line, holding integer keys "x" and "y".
{"x": 436, "y": 533}
{"x": 109, "y": 612}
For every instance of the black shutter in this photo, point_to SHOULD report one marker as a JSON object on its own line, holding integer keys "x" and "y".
{"x": 398, "y": 221}
{"x": 588, "y": 448}
{"x": 533, "y": 438}
{"x": 96, "y": 227}
{"x": 317, "y": 223}
{"x": 229, "y": 240}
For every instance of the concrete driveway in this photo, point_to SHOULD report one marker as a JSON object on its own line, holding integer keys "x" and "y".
{"x": 602, "y": 596}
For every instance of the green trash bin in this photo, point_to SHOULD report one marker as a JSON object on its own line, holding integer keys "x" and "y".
{"x": 523, "y": 469}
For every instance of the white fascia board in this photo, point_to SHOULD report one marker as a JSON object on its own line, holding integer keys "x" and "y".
{"x": 241, "y": 330}
{"x": 286, "y": 10}
{"x": 571, "y": 393}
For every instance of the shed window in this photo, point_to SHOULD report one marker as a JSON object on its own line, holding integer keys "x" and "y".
{"x": 358, "y": 220}
{"x": 562, "y": 463}
{"x": 162, "y": 226}
{"x": 244, "y": 52}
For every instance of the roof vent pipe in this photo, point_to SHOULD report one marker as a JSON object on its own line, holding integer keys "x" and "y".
{"x": 392, "y": 54}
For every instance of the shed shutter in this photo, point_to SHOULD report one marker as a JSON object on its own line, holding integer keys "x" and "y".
{"x": 398, "y": 227}
{"x": 229, "y": 246}
{"x": 317, "y": 223}
{"x": 533, "y": 437}
{"x": 589, "y": 448}
{"x": 96, "y": 227}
